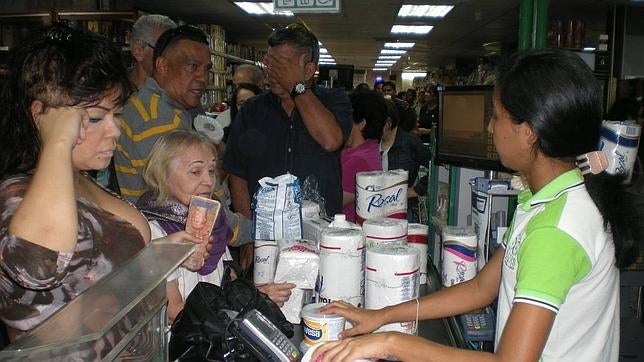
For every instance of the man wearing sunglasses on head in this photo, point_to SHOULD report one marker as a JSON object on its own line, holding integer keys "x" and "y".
{"x": 296, "y": 127}
{"x": 168, "y": 100}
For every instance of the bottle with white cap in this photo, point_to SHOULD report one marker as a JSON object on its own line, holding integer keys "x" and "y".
{"x": 340, "y": 221}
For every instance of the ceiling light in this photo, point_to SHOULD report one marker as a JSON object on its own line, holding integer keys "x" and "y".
{"x": 412, "y": 75}
{"x": 400, "y": 45}
{"x": 324, "y": 51}
{"x": 383, "y": 65}
{"x": 424, "y": 11}
{"x": 261, "y": 8}
{"x": 411, "y": 29}
{"x": 393, "y": 51}
{"x": 386, "y": 61}
{"x": 322, "y": 56}
{"x": 589, "y": 49}
{"x": 396, "y": 57}
{"x": 379, "y": 69}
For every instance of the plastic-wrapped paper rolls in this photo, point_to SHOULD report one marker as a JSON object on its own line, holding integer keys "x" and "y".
{"x": 417, "y": 238}
{"x": 385, "y": 231}
{"x": 266, "y": 252}
{"x": 298, "y": 263}
{"x": 620, "y": 141}
{"x": 310, "y": 210}
{"x": 459, "y": 255}
{"x": 342, "y": 253}
{"x": 381, "y": 194}
{"x": 392, "y": 277}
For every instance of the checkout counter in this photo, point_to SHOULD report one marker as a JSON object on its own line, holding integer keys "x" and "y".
{"x": 445, "y": 331}
{"x": 122, "y": 317}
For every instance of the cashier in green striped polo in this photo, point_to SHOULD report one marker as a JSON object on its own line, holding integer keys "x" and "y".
{"x": 558, "y": 257}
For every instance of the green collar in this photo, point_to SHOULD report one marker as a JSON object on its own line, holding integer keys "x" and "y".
{"x": 555, "y": 188}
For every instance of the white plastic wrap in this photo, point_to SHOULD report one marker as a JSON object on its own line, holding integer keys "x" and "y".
{"x": 381, "y": 194}
{"x": 392, "y": 273}
{"x": 342, "y": 258}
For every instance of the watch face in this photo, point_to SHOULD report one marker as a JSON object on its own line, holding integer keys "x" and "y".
{"x": 300, "y": 88}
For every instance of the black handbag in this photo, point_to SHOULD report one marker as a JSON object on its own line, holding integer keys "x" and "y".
{"x": 203, "y": 331}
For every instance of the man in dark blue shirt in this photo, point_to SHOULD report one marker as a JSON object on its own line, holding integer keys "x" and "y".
{"x": 296, "y": 128}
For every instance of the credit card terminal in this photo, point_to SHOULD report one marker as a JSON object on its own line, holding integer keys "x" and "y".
{"x": 265, "y": 340}
{"x": 478, "y": 326}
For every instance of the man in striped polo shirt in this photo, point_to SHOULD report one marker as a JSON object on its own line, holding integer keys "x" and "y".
{"x": 167, "y": 101}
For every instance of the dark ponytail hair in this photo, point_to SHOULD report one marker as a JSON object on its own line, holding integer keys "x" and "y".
{"x": 556, "y": 93}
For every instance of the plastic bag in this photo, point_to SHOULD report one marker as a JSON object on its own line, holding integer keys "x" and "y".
{"x": 311, "y": 192}
{"x": 201, "y": 331}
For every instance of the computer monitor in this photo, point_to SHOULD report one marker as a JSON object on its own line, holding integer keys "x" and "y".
{"x": 463, "y": 139}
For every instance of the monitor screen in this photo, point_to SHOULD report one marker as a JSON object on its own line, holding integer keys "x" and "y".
{"x": 463, "y": 139}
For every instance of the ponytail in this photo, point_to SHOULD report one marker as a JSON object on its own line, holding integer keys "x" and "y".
{"x": 621, "y": 207}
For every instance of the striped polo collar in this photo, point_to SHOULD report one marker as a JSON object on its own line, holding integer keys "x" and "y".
{"x": 563, "y": 183}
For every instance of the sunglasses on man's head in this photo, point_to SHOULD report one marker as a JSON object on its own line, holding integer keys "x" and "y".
{"x": 313, "y": 41}
{"x": 182, "y": 31}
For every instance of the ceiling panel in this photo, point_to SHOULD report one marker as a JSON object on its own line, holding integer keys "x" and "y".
{"x": 356, "y": 35}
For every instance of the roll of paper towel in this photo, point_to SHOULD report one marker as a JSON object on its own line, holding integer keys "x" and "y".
{"x": 265, "y": 262}
{"x": 385, "y": 230}
{"x": 342, "y": 258}
{"x": 459, "y": 255}
{"x": 392, "y": 277}
{"x": 381, "y": 194}
{"x": 417, "y": 238}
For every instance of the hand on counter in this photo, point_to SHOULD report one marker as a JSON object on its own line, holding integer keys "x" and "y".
{"x": 363, "y": 320}
{"x": 374, "y": 346}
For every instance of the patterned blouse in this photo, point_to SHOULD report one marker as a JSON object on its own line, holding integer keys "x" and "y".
{"x": 35, "y": 281}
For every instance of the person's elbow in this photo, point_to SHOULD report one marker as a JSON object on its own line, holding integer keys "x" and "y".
{"x": 333, "y": 141}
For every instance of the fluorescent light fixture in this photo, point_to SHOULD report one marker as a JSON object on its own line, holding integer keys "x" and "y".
{"x": 589, "y": 49}
{"x": 424, "y": 11}
{"x": 393, "y": 51}
{"x": 324, "y": 51}
{"x": 411, "y": 29}
{"x": 400, "y": 45}
{"x": 386, "y": 61}
{"x": 261, "y": 8}
{"x": 412, "y": 75}
{"x": 394, "y": 57}
{"x": 322, "y": 56}
{"x": 379, "y": 69}
{"x": 380, "y": 65}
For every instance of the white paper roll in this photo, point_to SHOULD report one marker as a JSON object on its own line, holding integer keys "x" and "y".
{"x": 620, "y": 142}
{"x": 391, "y": 278}
{"x": 417, "y": 238}
{"x": 265, "y": 261}
{"x": 298, "y": 263}
{"x": 342, "y": 255}
{"x": 459, "y": 255}
{"x": 381, "y": 194}
{"x": 385, "y": 231}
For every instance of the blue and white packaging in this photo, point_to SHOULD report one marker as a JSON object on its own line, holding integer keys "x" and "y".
{"x": 619, "y": 141}
{"x": 276, "y": 208}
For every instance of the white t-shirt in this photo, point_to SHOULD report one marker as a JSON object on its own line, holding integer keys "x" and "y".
{"x": 186, "y": 279}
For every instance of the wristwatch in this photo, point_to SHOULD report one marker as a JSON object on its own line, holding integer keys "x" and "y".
{"x": 299, "y": 88}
